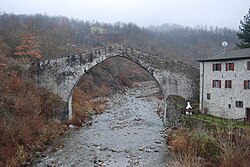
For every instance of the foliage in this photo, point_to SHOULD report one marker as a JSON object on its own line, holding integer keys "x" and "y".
{"x": 28, "y": 114}
{"x": 202, "y": 147}
{"x": 244, "y": 33}
{"x": 222, "y": 122}
{"x": 111, "y": 76}
{"x": 4, "y": 48}
{"x": 125, "y": 81}
{"x": 63, "y": 36}
{"x": 206, "y": 145}
{"x": 194, "y": 144}
{"x": 85, "y": 106}
{"x": 234, "y": 148}
{"x": 28, "y": 50}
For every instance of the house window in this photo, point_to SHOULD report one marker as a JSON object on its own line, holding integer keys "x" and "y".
{"x": 217, "y": 67}
{"x": 246, "y": 84}
{"x": 229, "y": 105}
{"x": 228, "y": 83}
{"x": 248, "y": 65}
{"x": 216, "y": 83}
{"x": 229, "y": 66}
{"x": 239, "y": 104}
{"x": 208, "y": 96}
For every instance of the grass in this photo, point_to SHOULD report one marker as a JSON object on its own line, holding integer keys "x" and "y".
{"x": 222, "y": 121}
{"x": 195, "y": 144}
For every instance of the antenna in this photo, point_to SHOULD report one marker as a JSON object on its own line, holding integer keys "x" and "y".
{"x": 224, "y": 44}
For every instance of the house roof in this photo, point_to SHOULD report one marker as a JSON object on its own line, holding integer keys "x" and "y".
{"x": 230, "y": 55}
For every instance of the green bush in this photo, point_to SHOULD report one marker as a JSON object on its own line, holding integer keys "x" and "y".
{"x": 206, "y": 145}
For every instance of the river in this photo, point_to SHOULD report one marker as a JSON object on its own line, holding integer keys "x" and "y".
{"x": 129, "y": 133}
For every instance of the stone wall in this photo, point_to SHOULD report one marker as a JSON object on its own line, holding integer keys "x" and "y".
{"x": 222, "y": 97}
{"x": 176, "y": 106}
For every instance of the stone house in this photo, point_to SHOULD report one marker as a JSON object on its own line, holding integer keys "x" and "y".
{"x": 225, "y": 84}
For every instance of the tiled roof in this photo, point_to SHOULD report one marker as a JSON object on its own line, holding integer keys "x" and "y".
{"x": 230, "y": 55}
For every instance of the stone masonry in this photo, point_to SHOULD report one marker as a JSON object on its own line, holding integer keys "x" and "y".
{"x": 61, "y": 75}
{"x": 222, "y": 101}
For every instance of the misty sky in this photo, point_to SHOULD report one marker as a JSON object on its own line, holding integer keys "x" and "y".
{"x": 222, "y": 13}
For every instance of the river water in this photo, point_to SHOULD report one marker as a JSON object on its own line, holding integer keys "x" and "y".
{"x": 129, "y": 133}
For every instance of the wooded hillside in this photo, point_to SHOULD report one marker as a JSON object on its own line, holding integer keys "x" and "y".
{"x": 59, "y": 36}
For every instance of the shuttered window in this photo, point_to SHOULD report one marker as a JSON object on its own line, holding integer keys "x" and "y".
{"x": 216, "y": 83}
{"x": 248, "y": 65}
{"x": 239, "y": 104}
{"x": 246, "y": 84}
{"x": 229, "y": 66}
{"x": 216, "y": 67}
{"x": 228, "y": 83}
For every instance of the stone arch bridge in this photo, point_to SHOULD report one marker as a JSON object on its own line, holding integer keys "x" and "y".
{"x": 61, "y": 75}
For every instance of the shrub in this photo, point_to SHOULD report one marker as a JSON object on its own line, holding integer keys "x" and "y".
{"x": 27, "y": 115}
{"x": 125, "y": 81}
{"x": 206, "y": 146}
{"x": 235, "y": 150}
{"x": 202, "y": 147}
{"x": 83, "y": 106}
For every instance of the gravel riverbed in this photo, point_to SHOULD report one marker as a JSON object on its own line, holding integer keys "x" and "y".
{"x": 129, "y": 133}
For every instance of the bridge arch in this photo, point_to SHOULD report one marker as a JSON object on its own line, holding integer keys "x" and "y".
{"x": 70, "y": 97}
{"x": 61, "y": 75}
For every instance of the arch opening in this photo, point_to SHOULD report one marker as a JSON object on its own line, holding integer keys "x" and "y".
{"x": 109, "y": 76}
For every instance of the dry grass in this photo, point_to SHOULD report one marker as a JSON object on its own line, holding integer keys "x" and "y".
{"x": 235, "y": 148}
{"x": 28, "y": 115}
{"x": 203, "y": 148}
{"x": 20, "y": 137}
{"x": 84, "y": 106}
{"x": 186, "y": 160}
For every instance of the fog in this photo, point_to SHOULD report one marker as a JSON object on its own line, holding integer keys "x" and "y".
{"x": 222, "y": 13}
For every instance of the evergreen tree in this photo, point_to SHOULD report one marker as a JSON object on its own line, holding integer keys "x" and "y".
{"x": 244, "y": 33}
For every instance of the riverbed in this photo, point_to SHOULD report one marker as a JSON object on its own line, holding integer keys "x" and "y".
{"x": 129, "y": 133}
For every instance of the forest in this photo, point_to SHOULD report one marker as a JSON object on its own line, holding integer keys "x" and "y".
{"x": 57, "y": 36}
